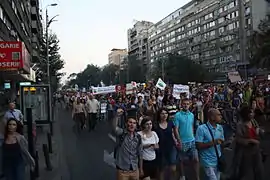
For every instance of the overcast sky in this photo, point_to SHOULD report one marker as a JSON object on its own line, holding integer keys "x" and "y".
{"x": 89, "y": 29}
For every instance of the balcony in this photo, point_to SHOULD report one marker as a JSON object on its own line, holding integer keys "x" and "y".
{"x": 34, "y": 10}
{"x": 34, "y": 13}
{"x": 34, "y": 27}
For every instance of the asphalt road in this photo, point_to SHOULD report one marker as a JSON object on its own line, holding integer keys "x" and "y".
{"x": 84, "y": 153}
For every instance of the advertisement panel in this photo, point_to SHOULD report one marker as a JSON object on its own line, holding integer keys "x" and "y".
{"x": 26, "y": 58}
{"x": 11, "y": 56}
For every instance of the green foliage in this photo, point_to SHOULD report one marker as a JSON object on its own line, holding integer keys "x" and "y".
{"x": 131, "y": 69}
{"x": 260, "y": 45}
{"x": 136, "y": 69}
{"x": 89, "y": 76}
{"x": 56, "y": 63}
{"x": 109, "y": 74}
{"x": 179, "y": 69}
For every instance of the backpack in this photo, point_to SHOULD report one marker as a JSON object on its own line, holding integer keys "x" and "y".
{"x": 120, "y": 140}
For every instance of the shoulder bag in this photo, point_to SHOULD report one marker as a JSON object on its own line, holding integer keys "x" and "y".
{"x": 221, "y": 162}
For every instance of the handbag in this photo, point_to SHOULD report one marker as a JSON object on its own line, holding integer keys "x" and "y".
{"x": 221, "y": 162}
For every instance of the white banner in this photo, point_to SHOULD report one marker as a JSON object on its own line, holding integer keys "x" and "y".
{"x": 178, "y": 89}
{"x": 130, "y": 87}
{"x": 103, "y": 90}
{"x": 161, "y": 84}
{"x": 234, "y": 76}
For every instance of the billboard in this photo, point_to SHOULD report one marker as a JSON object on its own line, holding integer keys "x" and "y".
{"x": 11, "y": 57}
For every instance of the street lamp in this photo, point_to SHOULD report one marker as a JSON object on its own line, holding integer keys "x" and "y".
{"x": 48, "y": 23}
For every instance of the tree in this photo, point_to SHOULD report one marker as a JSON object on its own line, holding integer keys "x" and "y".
{"x": 90, "y": 76}
{"x": 179, "y": 69}
{"x": 110, "y": 74}
{"x": 260, "y": 45}
{"x": 55, "y": 61}
{"x": 130, "y": 70}
{"x": 133, "y": 69}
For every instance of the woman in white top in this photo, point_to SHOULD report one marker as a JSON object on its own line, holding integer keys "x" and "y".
{"x": 150, "y": 144}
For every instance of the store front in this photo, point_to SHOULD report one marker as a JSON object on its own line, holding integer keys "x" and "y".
{"x": 14, "y": 68}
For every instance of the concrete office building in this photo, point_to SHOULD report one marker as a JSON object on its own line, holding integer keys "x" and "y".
{"x": 117, "y": 56}
{"x": 208, "y": 32}
{"x": 138, "y": 40}
{"x": 20, "y": 21}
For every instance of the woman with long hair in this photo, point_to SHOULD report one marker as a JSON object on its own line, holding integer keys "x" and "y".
{"x": 247, "y": 161}
{"x": 15, "y": 152}
{"x": 166, "y": 154}
{"x": 150, "y": 142}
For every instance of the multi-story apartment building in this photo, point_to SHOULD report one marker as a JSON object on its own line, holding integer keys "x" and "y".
{"x": 208, "y": 32}
{"x": 20, "y": 21}
{"x": 138, "y": 40}
{"x": 37, "y": 28}
{"x": 117, "y": 56}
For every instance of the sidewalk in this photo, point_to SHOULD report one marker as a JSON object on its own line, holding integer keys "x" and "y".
{"x": 59, "y": 165}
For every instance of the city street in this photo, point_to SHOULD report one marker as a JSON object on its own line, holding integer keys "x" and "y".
{"x": 84, "y": 154}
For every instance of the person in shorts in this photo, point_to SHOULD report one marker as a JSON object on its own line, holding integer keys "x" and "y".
{"x": 184, "y": 130}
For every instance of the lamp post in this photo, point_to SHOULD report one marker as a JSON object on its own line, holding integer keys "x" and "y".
{"x": 243, "y": 37}
{"x": 48, "y": 23}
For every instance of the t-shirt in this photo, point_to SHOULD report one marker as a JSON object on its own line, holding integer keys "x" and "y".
{"x": 185, "y": 123}
{"x": 166, "y": 141}
{"x": 149, "y": 154}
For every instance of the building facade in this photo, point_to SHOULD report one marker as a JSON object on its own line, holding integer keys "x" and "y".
{"x": 209, "y": 32}
{"x": 138, "y": 40}
{"x": 117, "y": 56}
{"x": 20, "y": 21}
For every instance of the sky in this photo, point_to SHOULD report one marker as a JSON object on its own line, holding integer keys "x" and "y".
{"x": 89, "y": 29}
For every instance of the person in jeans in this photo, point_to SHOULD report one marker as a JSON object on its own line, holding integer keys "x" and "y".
{"x": 128, "y": 151}
{"x": 206, "y": 144}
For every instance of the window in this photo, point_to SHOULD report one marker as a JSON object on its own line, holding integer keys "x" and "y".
{"x": 221, "y": 20}
{"x": 212, "y": 23}
{"x": 231, "y": 5}
{"x": 220, "y": 10}
{"x": 247, "y": 11}
{"x": 1, "y": 13}
{"x": 212, "y": 33}
{"x": 208, "y": 16}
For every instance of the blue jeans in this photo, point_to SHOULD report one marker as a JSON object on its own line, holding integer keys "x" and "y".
{"x": 211, "y": 173}
{"x": 15, "y": 172}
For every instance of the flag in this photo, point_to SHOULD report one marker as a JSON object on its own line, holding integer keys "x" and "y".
{"x": 160, "y": 84}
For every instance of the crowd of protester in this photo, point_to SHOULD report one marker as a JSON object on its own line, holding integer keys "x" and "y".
{"x": 158, "y": 134}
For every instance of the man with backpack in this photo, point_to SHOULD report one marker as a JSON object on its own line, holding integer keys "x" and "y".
{"x": 128, "y": 149}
